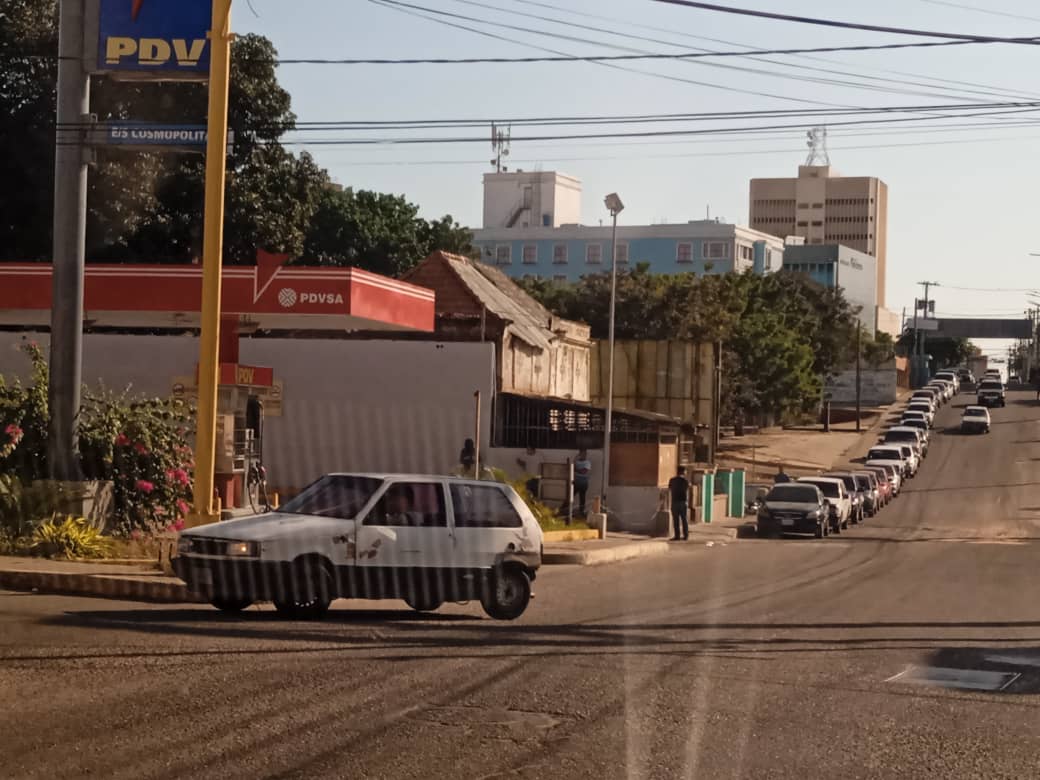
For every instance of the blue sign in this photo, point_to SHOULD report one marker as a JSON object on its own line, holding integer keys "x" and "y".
{"x": 164, "y": 37}
{"x": 130, "y": 134}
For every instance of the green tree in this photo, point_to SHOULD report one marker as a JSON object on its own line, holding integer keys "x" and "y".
{"x": 377, "y": 232}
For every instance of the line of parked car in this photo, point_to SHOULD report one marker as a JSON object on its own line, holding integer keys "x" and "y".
{"x": 832, "y": 502}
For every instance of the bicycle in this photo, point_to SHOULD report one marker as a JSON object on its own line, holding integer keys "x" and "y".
{"x": 256, "y": 487}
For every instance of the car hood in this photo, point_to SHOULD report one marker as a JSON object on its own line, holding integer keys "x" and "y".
{"x": 271, "y": 525}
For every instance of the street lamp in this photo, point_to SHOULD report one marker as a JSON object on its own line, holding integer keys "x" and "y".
{"x": 615, "y": 206}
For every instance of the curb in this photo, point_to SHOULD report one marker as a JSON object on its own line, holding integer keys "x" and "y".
{"x": 610, "y": 555}
{"x": 164, "y": 590}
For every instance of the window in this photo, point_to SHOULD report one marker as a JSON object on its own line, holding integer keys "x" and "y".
{"x": 684, "y": 253}
{"x": 803, "y": 223}
{"x": 746, "y": 252}
{"x": 560, "y": 279}
{"x": 621, "y": 254}
{"x": 530, "y": 254}
{"x": 803, "y": 205}
{"x": 560, "y": 254}
{"x": 334, "y": 496}
{"x": 714, "y": 250}
{"x": 504, "y": 254}
{"x": 769, "y": 258}
{"x": 817, "y": 223}
{"x": 817, "y": 205}
{"x": 483, "y": 507}
{"x": 594, "y": 254}
{"x": 418, "y": 504}
{"x": 528, "y": 192}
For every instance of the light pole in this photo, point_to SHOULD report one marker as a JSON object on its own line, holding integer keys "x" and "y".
{"x": 615, "y": 206}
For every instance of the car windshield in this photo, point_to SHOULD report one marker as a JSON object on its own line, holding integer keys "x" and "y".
{"x": 901, "y": 436}
{"x": 884, "y": 453}
{"x": 991, "y": 385}
{"x": 793, "y": 493}
{"x": 333, "y": 496}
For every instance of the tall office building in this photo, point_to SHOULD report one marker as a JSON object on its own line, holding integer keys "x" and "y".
{"x": 824, "y": 207}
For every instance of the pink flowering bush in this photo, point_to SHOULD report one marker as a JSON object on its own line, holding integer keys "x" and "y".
{"x": 141, "y": 445}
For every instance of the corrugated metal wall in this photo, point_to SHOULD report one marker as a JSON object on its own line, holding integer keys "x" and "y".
{"x": 668, "y": 377}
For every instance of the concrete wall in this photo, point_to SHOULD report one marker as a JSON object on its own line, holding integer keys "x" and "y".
{"x": 532, "y": 197}
{"x": 878, "y": 386}
{"x": 348, "y": 405}
{"x": 836, "y": 265}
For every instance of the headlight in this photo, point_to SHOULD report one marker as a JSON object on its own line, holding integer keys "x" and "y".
{"x": 184, "y": 544}
{"x": 243, "y": 549}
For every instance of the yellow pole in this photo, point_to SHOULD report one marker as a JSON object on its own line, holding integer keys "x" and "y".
{"x": 212, "y": 257}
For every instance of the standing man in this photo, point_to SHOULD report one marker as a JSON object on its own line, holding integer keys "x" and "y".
{"x": 582, "y": 474}
{"x": 679, "y": 490}
{"x": 781, "y": 475}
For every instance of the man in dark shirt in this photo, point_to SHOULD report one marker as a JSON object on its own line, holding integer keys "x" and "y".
{"x": 781, "y": 475}
{"x": 679, "y": 491}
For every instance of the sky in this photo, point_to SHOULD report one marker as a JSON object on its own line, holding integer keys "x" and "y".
{"x": 963, "y": 192}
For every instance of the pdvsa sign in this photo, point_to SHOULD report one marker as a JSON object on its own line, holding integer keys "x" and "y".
{"x": 158, "y": 39}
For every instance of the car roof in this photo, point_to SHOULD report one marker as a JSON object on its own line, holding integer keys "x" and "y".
{"x": 829, "y": 480}
{"x": 976, "y": 409}
{"x": 416, "y": 477}
{"x": 902, "y": 429}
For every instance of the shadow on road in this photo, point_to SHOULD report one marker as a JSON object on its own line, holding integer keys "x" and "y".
{"x": 380, "y": 634}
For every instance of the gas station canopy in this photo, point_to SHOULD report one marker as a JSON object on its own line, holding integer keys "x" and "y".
{"x": 267, "y": 296}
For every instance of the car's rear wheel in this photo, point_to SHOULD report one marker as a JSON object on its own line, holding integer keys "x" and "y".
{"x": 231, "y": 604}
{"x": 508, "y": 593}
{"x": 310, "y": 591}
{"x": 821, "y": 529}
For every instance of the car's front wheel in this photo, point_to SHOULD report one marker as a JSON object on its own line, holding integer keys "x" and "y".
{"x": 310, "y": 592}
{"x": 508, "y": 593}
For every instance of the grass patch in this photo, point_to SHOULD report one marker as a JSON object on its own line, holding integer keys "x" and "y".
{"x": 559, "y": 524}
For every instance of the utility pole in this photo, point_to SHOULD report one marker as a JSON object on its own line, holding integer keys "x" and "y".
{"x": 212, "y": 258}
{"x": 69, "y": 245}
{"x": 859, "y": 386}
{"x": 924, "y": 334}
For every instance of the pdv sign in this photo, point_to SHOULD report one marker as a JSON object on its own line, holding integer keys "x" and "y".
{"x": 169, "y": 38}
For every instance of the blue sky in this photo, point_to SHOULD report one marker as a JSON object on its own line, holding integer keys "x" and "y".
{"x": 963, "y": 214}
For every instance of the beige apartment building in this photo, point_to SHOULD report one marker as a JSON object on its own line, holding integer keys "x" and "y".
{"x": 824, "y": 207}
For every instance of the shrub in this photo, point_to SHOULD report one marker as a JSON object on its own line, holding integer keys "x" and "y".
{"x": 140, "y": 445}
{"x": 68, "y": 537}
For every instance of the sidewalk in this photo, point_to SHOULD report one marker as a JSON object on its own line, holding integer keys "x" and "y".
{"x": 616, "y": 547}
{"x": 103, "y": 580}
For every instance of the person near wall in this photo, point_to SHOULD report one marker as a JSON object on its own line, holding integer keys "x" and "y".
{"x": 582, "y": 475}
{"x": 467, "y": 467}
{"x": 679, "y": 491}
{"x": 781, "y": 475}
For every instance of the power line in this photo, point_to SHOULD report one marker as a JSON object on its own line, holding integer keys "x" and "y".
{"x": 405, "y": 8}
{"x": 683, "y": 34}
{"x": 708, "y": 52}
{"x": 846, "y": 25}
{"x": 741, "y": 153}
{"x": 975, "y": 8}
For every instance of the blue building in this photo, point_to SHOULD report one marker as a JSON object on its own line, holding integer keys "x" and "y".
{"x": 531, "y": 230}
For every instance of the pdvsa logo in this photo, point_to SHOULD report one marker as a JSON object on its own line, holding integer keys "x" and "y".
{"x": 287, "y": 297}
{"x": 321, "y": 297}
{"x": 155, "y": 34}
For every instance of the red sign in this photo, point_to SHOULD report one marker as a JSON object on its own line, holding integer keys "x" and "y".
{"x": 270, "y": 294}
{"x": 237, "y": 374}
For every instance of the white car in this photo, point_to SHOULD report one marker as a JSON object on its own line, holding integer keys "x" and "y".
{"x": 425, "y": 539}
{"x": 892, "y": 452}
{"x": 929, "y": 395}
{"x": 950, "y": 376}
{"x": 976, "y": 419}
{"x": 834, "y": 491}
{"x": 904, "y": 434}
{"x": 925, "y": 407}
{"x": 944, "y": 387}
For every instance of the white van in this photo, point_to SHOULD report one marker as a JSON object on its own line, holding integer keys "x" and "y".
{"x": 425, "y": 539}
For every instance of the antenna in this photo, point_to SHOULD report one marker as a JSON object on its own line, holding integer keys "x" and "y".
{"x": 500, "y": 141}
{"x": 817, "y": 144}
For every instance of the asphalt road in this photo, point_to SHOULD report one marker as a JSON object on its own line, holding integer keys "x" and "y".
{"x": 762, "y": 658}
